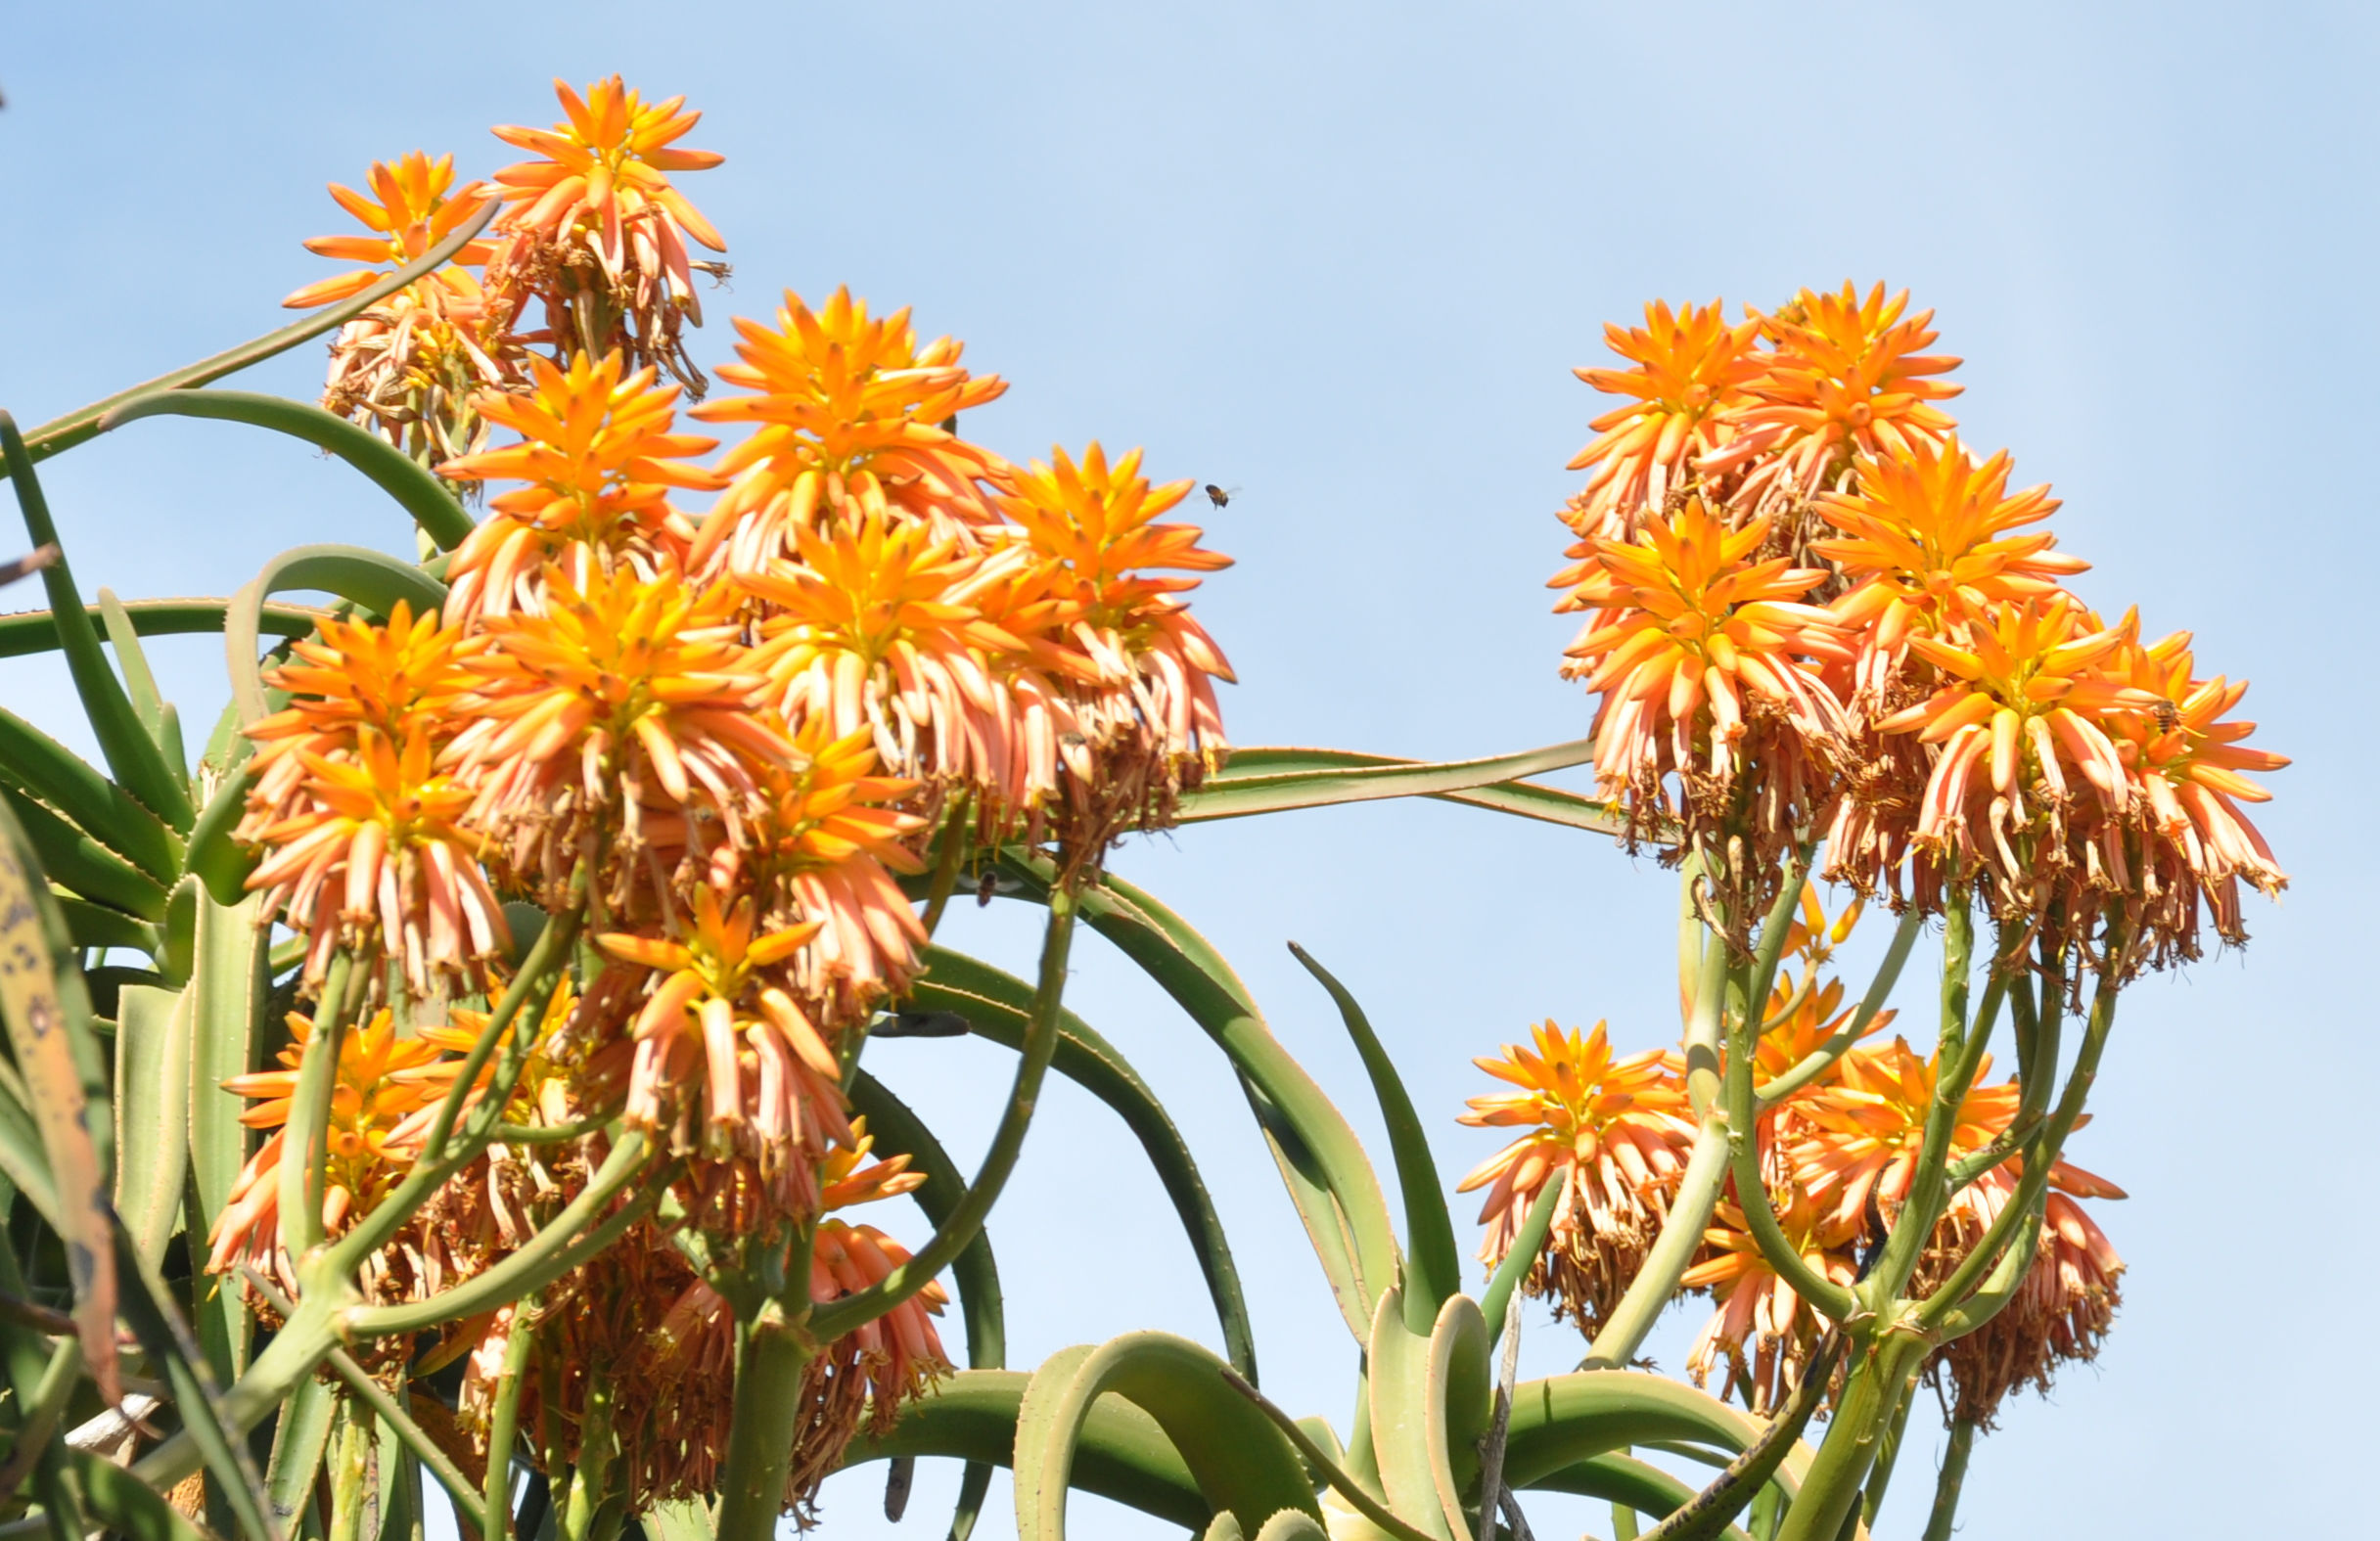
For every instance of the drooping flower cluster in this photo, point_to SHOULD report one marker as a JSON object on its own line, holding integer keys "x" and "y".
{"x": 712, "y": 743}
{"x": 590, "y": 238}
{"x": 1816, "y": 612}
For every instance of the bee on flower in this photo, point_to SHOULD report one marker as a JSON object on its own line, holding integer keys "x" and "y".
{"x": 1613, "y": 1132}
{"x": 595, "y": 228}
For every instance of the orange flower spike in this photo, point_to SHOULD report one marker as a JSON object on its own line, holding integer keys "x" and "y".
{"x": 1690, "y": 368}
{"x": 352, "y": 675}
{"x": 1846, "y": 378}
{"x": 2026, "y": 692}
{"x": 1931, "y": 539}
{"x": 598, "y": 456}
{"x": 380, "y": 847}
{"x": 1097, "y": 525}
{"x": 619, "y": 665}
{"x": 848, "y": 414}
{"x": 409, "y": 210}
{"x": 372, "y": 1100}
{"x": 1688, "y": 626}
{"x": 606, "y": 165}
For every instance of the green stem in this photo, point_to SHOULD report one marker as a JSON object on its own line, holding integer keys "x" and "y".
{"x": 1709, "y": 1512}
{"x": 306, "y": 1137}
{"x": 1953, "y": 1476}
{"x": 1682, "y": 1230}
{"x": 591, "y": 1483}
{"x": 952, "y": 1236}
{"x": 504, "y": 1430}
{"x": 2041, "y": 1156}
{"x": 1829, "y": 1493}
{"x": 351, "y": 1446}
{"x": 527, "y": 997}
{"x": 1889, "y": 1453}
{"x": 1523, "y": 1256}
{"x": 953, "y": 844}
{"x": 775, "y": 1354}
{"x": 1822, "y": 1058}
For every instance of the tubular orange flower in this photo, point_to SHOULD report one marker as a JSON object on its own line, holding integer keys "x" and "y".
{"x": 1613, "y": 1132}
{"x": 1702, "y": 657}
{"x": 873, "y": 631}
{"x": 1150, "y": 728}
{"x": 714, "y": 1006}
{"x": 2025, "y": 693}
{"x": 1930, "y": 542}
{"x": 599, "y": 459}
{"x": 373, "y": 1137}
{"x": 409, "y": 210}
{"x": 1846, "y": 378}
{"x": 352, "y": 675}
{"x": 1690, "y": 371}
{"x": 378, "y": 853}
{"x": 828, "y": 842}
{"x": 596, "y": 227}
{"x": 2187, "y": 763}
{"x": 851, "y": 418}
{"x": 639, "y": 685}
{"x": 1762, "y": 1328}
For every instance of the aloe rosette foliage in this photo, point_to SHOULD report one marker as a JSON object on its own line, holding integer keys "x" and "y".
{"x": 452, "y": 1079}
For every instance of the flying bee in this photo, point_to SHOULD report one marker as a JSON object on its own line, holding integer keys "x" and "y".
{"x": 1220, "y": 497}
{"x": 986, "y": 887}
{"x": 2168, "y": 715}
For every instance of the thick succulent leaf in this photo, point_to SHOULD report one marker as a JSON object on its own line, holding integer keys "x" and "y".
{"x": 31, "y": 631}
{"x": 1457, "y": 1406}
{"x": 133, "y": 757}
{"x": 370, "y": 578}
{"x": 227, "y": 994}
{"x": 1119, "y": 1452}
{"x": 299, "y": 1439}
{"x": 680, "y": 1519}
{"x": 125, "y": 1506}
{"x": 104, "y": 926}
{"x": 156, "y": 712}
{"x": 1623, "y": 1480}
{"x": 1403, "y": 1437}
{"x": 898, "y": 1131}
{"x": 1322, "y": 1163}
{"x": 196, "y": 1398}
{"x": 57, "y": 1063}
{"x": 418, "y": 491}
{"x": 1236, "y": 1456}
{"x": 83, "y": 422}
{"x": 152, "y": 1113}
{"x": 999, "y": 1005}
{"x": 1293, "y": 1524}
{"x": 218, "y": 860}
{"x": 74, "y": 861}
{"x": 1270, "y": 780}
{"x": 38, "y": 766}
{"x": 1562, "y": 1421}
{"x": 1523, "y": 1256}
{"x": 1434, "y": 1265}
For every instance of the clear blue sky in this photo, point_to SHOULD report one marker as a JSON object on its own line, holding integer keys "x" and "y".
{"x": 1343, "y": 257}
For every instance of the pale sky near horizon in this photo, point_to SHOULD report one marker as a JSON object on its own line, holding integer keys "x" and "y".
{"x": 1343, "y": 257}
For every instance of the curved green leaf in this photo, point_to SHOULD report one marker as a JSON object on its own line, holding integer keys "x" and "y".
{"x": 60, "y": 434}
{"x": 1120, "y": 1451}
{"x": 1272, "y": 779}
{"x": 80, "y": 864}
{"x": 1293, "y": 1524}
{"x": 1402, "y": 1439}
{"x": 998, "y": 1005}
{"x": 227, "y": 994}
{"x": 1238, "y": 1458}
{"x": 1434, "y": 1264}
{"x": 1322, "y": 1163}
{"x": 299, "y": 1437}
{"x": 898, "y": 1131}
{"x": 132, "y": 756}
{"x": 152, "y": 1113}
{"x": 1457, "y": 1406}
{"x": 370, "y": 578}
{"x": 218, "y": 860}
{"x": 1567, "y": 1419}
{"x": 65, "y": 1081}
{"x": 156, "y": 715}
{"x": 104, "y": 926}
{"x": 124, "y": 1504}
{"x": 31, "y": 631}
{"x": 1520, "y": 1259}
{"x": 419, "y": 492}
{"x": 1623, "y": 1480}
{"x": 40, "y": 767}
